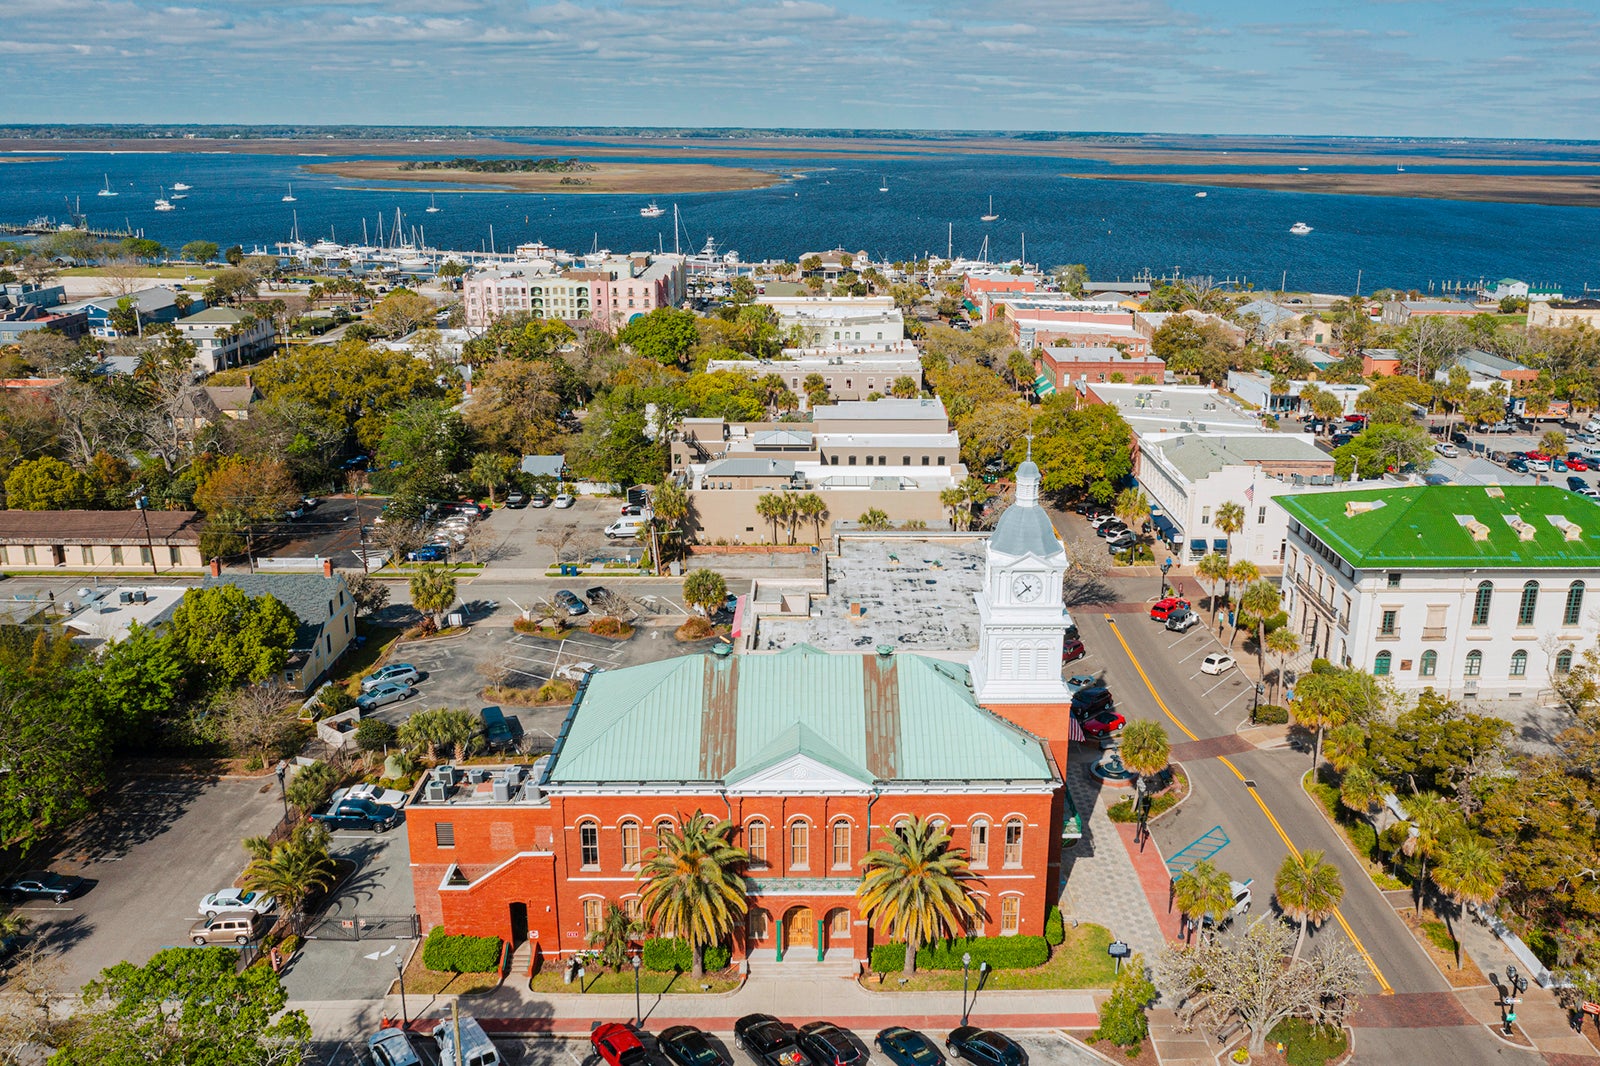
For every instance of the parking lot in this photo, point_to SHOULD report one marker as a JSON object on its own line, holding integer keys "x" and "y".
{"x": 156, "y": 847}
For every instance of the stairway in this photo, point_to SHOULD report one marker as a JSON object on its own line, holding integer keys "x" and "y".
{"x": 802, "y": 962}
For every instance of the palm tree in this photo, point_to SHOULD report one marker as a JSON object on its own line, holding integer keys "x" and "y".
{"x": 873, "y": 520}
{"x": 959, "y": 506}
{"x": 672, "y": 508}
{"x": 1202, "y": 889}
{"x": 1134, "y": 510}
{"x": 432, "y": 590}
{"x": 1433, "y": 820}
{"x": 1145, "y": 747}
{"x": 693, "y": 884}
{"x": 1361, "y": 791}
{"x": 1308, "y": 891}
{"x": 1346, "y": 746}
{"x": 1320, "y": 701}
{"x": 769, "y": 506}
{"x": 1468, "y": 872}
{"x": 616, "y": 935}
{"x": 1213, "y": 569}
{"x": 1283, "y": 643}
{"x": 1259, "y": 602}
{"x": 12, "y": 923}
{"x": 292, "y": 868}
{"x": 813, "y": 509}
{"x": 1240, "y": 573}
{"x": 915, "y": 887}
{"x": 1229, "y": 519}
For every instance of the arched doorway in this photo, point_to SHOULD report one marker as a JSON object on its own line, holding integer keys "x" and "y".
{"x": 836, "y": 931}
{"x": 519, "y": 925}
{"x": 799, "y": 929}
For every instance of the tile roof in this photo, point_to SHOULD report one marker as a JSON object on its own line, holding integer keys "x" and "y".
{"x": 1453, "y": 526}
{"x": 728, "y": 718}
{"x": 98, "y": 527}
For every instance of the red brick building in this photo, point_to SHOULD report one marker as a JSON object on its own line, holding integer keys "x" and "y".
{"x": 1066, "y": 366}
{"x": 814, "y": 756}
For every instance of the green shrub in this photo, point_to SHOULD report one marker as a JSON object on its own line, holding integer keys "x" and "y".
{"x": 335, "y": 699}
{"x": 1543, "y": 946}
{"x": 374, "y": 734}
{"x": 888, "y": 958}
{"x": 1000, "y": 952}
{"x": 311, "y": 786}
{"x": 1271, "y": 714}
{"x": 1122, "y": 810}
{"x": 717, "y": 957}
{"x": 460, "y": 954}
{"x": 1054, "y": 929}
{"x": 668, "y": 954}
{"x": 1122, "y": 1015}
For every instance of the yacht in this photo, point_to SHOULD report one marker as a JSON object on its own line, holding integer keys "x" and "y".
{"x": 432, "y": 208}
{"x": 107, "y": 190}
{"x": 289, "y": 196}
{"x": 162, "y": 203}
{"x": 179, "y": 186}
{"x": 652, "y": 210}
{"x": 991, "y": 216}
{"x": 1300, "y": 228}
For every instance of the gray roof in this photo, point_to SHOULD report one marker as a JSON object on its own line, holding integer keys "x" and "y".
{"x": 217, "y": 316}
{"x": 148, "y": 301}
{"x": 1266, "y": 312}
{"x": 307, "y": 595}
{"x": 543, "y": 465}
{"x": 880, "y": 410}
{"x": 773, "y": 438}
{"x": 742, "y": 467}
{"x": 1490, "y": 361}
{"x": 1026, "y": 529}
{"x": 1199, "y": 456}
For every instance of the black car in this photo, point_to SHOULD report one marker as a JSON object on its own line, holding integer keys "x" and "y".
{"x": 1576, "y": 484}
{"x": 517, "y": 499}
{"x": 907, "y": 1047}
{"x": 768, "y": 1040}
{"x": 825, "y": 1044}
{"x": 359, "y": 813}
{"x": 1087, "y": 701}
{"x": 1113, "y": 528}
{"x": 688, "y": 1046}
{"x": 596, "y": 593}
{"x": 42, "y": 884}
{"x": 985, "y": 1046}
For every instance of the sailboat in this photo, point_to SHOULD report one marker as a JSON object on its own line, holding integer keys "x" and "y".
{"x": 651, "y": 210}
{"x": 179, "y": 186}
{"x": 991, "y": 216}
{"x": 432, "y": 207}
{"x": 162, "y": 203}
{"x": 289, "y": 196}
{"x": 107, "y": 190}
{"x": 885, "y": 186}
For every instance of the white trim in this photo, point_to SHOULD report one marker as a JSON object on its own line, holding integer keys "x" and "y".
{"x": 471, "y": 884}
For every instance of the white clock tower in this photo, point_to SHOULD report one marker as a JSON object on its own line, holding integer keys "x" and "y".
{"x": 1022, "y": 620}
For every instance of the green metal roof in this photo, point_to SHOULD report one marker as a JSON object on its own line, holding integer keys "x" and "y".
{"x": 1432, "y": 526}
{"x": 1043, "y": 386}
{"x": 725, "y": 718}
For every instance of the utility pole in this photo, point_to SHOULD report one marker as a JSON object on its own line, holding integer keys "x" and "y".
{"x": 143, "y": 504}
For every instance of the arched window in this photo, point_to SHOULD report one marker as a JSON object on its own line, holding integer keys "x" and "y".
{"x": 630, "y": 843}
{"x": 841, "y": 843}
{"x": 755, "y": 842}
{"x": 1474, "y": 663}
{"x": 800, "y": 844}
{"x": 1480, "y": 606}
{"x": 663, "y": 825}
{"x": 633, "y": 907}
{"x": 1569, "y": 616}
{"x": 1519, "y": 663}
{"x": 591, "y": 915}
{"x": 1014, "y": 842}
{"x": 978, "y": 849}
{"x": 1530, "y": 601}
{"x": 589, "y": 844}
{"x": 1380, "y": 665}
{"x": 1564, "y": 661}
{"x": 1430, "y": 664}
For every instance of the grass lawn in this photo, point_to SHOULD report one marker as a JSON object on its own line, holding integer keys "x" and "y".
{"x": 359, "y": 662}
{"x": 422, "y": 981}
{"x": 548, "y": 981}
{"x": 1080, "y": 961}
{"x": 1361, "y": 836}
{"x": 148, "y": 272}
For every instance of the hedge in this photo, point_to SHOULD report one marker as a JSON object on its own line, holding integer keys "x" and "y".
{"x": 1271, "y": 714}
{"x": 460, "y": 954}
{"x": 1055, "y": 930}
{"x": 1000, "y": 952}
{"x": 668, "y": 954}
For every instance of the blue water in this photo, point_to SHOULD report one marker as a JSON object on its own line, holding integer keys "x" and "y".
{"x": 1117, "y": 228}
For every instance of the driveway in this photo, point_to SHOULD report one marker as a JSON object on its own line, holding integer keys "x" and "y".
{"x": 157, "y": 845}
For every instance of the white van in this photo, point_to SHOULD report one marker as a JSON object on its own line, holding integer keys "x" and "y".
{"x": 476, "y": 1050}
{"x": 625, "y": 527}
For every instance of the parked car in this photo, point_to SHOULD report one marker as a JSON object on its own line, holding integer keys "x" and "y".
{"x": 985, "y": 1046}
{"x": 236, "y": 899}
{"x": 1121, "y": 542}
{"x": 569, "y": 599}
{"x": 229, "y": 927}
{"x": 396, "y": 673}
{"x": 907, "y": 1047}
{"x": 1072, "y": 650}
{"x": 576, "y": 671}
{"x": 428, "y": 553}
{"x": 42, "y": 884}
{"x": 539, "y": 499}
{"x": 1182, "y": 620}
{"x": 1576, "y": 461}
{"x": 1113, "y": 528}
{"x": 1590, "y": 493}
{"x": 1518, "y": 465}
{"x": 825, "y": 1044}
{"x": 1558, "y": 466}
{"x": 1103, "y": 723}
{"x": 1449, "y": 451}
{"x": 768, "y": 1040}
{"x": 517, "y": 499}
{"x": 565, "y": 499}
{"x": 617, "y": 1045}
{"x": 1538, "y": 466}
{"x": 476, "y": 1047}
{"x": 385, "y": 694}
{"x": 392, "y": 1047}
{"x": 1218, "y": 662}
{"x": 632, "y": 510}
{"x": 1100, "y": 518}
{"x": 1087, "y": 701}
{"x": 625, "y": 527}
{"x": 1240, "y": 907}
{"x": 359, "y": 814}
{"x": 1163, "y": 608}
{"x": 1576, "y": 484}
{"x": 1078, "y": 682}
{"x": 685, "y": 1045}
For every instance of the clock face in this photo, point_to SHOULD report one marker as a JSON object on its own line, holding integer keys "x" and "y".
{"x": 1026, "y": 587}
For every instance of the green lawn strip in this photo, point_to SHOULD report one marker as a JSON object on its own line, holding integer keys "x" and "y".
{"x": 1440, "y": 937}
{"x": 1360, "y": 835}
{"x": 359, "y": 662}
{"x": 1079, "y": 961}
{"x": 1306, "y": 1045}
{"x": 549, "y": 982}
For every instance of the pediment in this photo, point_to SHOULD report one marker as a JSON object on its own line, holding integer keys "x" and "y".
{"x": 798, "y": 774}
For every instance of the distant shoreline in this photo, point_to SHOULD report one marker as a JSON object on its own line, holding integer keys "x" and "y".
{"x": 30, "y": 159}
{"x": 643, "y": 178}
{"x": 1549, "y": 190}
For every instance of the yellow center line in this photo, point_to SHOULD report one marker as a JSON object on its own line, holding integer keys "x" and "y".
{"x": 1338, "y": 916}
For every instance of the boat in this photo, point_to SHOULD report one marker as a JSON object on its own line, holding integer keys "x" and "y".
{"x": 179, "y": 195}
{"x": 289, "y": 196}
{"x": 162, "y": 203}
{"x": 1199, "y": 196}
{"x": 652, "y": 210}
{"x": 885, "y": 186}
{"x": 1300, "y": 228}
{"x": 179, "y": 187}
{"x": 432, "y": 207}
{"x": 991, "y": 216}
{"x": 1303, "y": 169}
{"x": 1399, "y": 170}
{"x": 107, "y": 190}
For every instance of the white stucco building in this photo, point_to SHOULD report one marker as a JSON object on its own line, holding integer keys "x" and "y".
{"x": 1474, "y": 591}
{"x": 840, "y": 323}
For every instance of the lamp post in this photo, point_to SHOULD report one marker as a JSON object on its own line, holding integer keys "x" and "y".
{"x": 638, "y": 1014}
{"x": 283, "y": 793}
{"x": 1255, "y": 702}
{"x": 400, "y": 972}
{"x": 1164, "y": 568}
{"x": 966, "y": 963}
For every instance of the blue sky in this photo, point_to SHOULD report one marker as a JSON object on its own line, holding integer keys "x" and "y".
{"x": 1396, "y": 67}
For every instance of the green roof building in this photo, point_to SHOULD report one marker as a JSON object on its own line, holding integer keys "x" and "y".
{"x": 1475, "y": 591}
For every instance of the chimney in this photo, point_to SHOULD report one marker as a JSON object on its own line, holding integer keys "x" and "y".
{"x": 327, "y": 568}
{"x": 216, "y": 567}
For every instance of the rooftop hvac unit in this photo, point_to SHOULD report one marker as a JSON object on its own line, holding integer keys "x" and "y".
{"x": 445, "y": 774}
{"x": 514, "y": 775}
{"x": 476, "y": 774}
{"x": 124, "y": 597}
{"x": 502, "y": 791}
{"x": 436, "y": 792}
{"x": 1201, "y": 426}
{"x": 140, "y": 596}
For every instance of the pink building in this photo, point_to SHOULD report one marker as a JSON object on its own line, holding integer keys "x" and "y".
{"x": 613, "y": 290}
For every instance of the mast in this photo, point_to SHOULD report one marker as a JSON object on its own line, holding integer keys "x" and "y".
{"x": 675, "y": 249}
{"x": 950, "y": 243}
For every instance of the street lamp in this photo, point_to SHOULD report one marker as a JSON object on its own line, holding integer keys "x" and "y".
{"x": 966, "y": 963}
{"x": 638, "y": 1014}
{"x": 1164, "y": 568}
{"x": 283, "y": 793}
{"x": 400, "y": 972}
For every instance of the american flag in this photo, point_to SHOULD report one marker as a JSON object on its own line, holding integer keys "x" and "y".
{"x": 1250, "y": 493}
{"x": 1075, "y": 731}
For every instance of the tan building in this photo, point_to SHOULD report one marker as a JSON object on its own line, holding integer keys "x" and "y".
{"x": 848, "y": 377}
{"x": 148, "y": 541}
{"x": 1569, "y": 313}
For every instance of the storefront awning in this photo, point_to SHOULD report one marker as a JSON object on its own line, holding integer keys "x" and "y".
{"x": 1197, "y": 546}
{"x": 1043, "y": 386}
{"x": 1220, "y": 544}
{"x": 1166, "y": 530}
